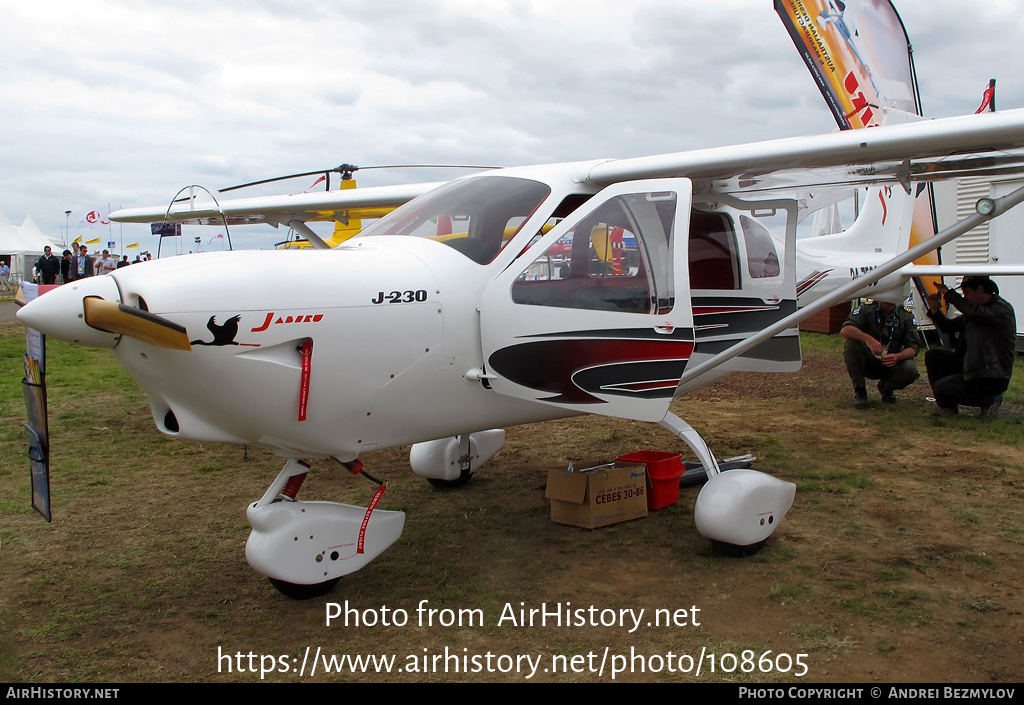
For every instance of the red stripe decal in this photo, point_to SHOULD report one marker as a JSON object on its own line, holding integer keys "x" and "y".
{"x": 366, "y": 517}
{"x": 706, "y": 310}
{"x": 307, "y": 358}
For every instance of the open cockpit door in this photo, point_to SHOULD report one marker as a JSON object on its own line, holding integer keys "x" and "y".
{"x": 742, "y": 279}
{"x": 595, "y": 316}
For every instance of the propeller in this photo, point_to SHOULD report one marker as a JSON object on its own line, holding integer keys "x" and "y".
{"x": 133, "y": 322}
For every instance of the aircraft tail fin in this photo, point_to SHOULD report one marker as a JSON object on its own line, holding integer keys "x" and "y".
{"x": 882, "y": 226}
{"x": 885, "y": 217}
{"x": 344, "y": 229}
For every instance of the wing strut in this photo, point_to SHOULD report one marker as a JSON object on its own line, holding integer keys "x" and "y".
{"x": 314, "y": 239}
{"x": 986, "y": 209}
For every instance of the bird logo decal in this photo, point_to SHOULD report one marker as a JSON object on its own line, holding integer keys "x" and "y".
{"x": 223, "y": 334}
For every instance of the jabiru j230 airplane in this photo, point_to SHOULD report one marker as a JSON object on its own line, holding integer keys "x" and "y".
{"x": 464, "y": 311}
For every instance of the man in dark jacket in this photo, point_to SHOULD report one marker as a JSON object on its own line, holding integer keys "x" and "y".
{"x": 48, "y": 267}
{"x": 978, "y": 371}
{"x": 82, "y": 266}
{"x": 65, "y": 267}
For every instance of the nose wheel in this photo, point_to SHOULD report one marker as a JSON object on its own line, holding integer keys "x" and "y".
{"x": 461, "y": 480}
{"x": 306, "y": 547}
{"x": 303, "y": 592}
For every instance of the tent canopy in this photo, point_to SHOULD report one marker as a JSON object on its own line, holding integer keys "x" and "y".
{"x": 24, "y": 245}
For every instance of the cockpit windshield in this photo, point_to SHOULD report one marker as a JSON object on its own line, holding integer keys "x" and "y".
{"x": 475, "y": 216}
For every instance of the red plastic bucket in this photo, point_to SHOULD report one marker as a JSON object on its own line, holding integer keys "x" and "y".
{"x": 663, "y": 473}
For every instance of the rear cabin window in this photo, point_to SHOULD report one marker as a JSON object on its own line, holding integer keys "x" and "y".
{"x": 713, "y": 260}
{"x": 762, "y": 260}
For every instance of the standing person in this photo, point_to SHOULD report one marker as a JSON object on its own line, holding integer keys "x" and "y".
{"x": 82, "y": 265}
{"x": 65, "y": 266}
{"x": 124, "y": 262}
{"x": 881, "y": 343}
{"x": 978, "y": 371}
{"x": 48, "y": 266}
{"x": 106, "y": 265}
{"x": 5, "y": 276}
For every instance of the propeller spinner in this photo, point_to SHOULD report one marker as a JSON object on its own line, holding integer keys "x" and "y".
{"x": 89, "y": 312}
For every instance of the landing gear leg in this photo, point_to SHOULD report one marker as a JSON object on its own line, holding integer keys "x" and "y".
{"x": 693, "y": 439}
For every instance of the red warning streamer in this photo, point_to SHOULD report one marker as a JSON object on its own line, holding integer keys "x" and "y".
{"x": 988, "y": 99}
{"x": 307, "y": 359}
{"x": 366, "y": 517}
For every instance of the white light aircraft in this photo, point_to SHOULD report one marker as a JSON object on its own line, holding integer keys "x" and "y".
{"x": 507, "y": 297}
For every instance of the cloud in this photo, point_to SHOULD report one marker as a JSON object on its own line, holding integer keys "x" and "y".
{"x": 126, "y": 102}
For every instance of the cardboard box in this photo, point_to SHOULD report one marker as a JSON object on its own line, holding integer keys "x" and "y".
{"x": 592, "y": 499}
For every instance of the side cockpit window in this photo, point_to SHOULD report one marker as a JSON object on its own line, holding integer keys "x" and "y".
{"x": 565, "y": 208}
{"x": 617, "y": 258}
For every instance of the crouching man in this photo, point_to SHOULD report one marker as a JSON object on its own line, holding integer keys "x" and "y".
{"x": 978, "y": 371}
{"x": 881, "y": 343}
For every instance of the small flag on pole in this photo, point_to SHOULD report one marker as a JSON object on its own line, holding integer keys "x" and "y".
{"x": 95, "y": 219}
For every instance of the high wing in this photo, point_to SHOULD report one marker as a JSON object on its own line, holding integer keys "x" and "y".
{"x": 273, "y": 210}
{"x": 921, "y": 150}
{"x": 924, "y": 150}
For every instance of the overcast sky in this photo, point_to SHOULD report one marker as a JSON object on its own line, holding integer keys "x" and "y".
{"x": 125, "y": 102}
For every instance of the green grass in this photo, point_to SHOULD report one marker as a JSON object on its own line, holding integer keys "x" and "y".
{"x": 142, "y": 575}
{"x": 822, "y": 639}
{"x": 786, "y": 592}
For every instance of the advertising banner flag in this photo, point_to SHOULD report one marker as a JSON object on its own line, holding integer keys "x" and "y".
{"x": 859, "y": 55}
{"x": 34, "y": 388}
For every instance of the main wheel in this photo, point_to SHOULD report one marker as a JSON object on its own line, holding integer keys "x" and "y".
{"x": 304, "y": 592}
{"x": 734, "y": 551}
{"x": 462, "y": 479}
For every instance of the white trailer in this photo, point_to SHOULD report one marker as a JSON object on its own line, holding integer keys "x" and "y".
{"x": 998, "y": 241}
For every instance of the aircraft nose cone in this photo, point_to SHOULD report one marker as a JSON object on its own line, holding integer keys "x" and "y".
{"x": 60, "y": 313}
